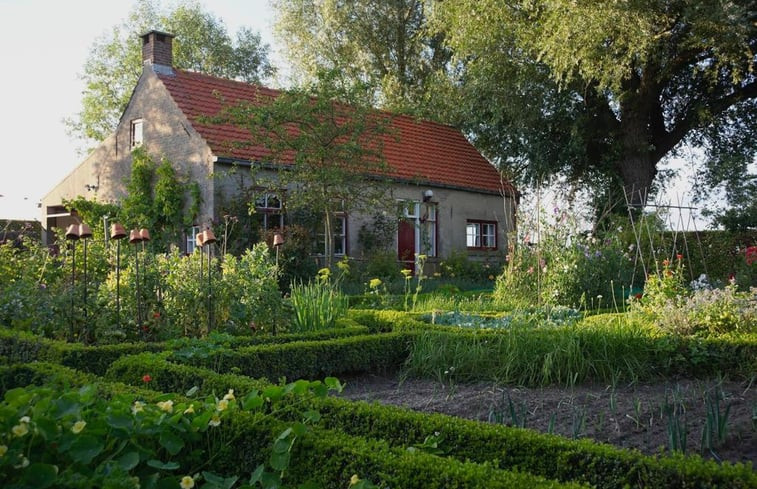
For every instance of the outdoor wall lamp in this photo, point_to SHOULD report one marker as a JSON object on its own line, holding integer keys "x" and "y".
{"x": 278, "y": 241}
{"x": 428, "y": 195}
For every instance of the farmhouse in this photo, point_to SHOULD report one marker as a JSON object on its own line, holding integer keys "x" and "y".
{"x": 451, "y": 198}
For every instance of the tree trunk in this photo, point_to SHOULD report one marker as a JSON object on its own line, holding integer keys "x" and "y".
{"x": 637, "y": 164}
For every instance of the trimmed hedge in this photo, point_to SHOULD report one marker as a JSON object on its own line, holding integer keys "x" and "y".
{"x": 20, "y": 346}
{"x": 507, "y": 448}
{"x": 323, "y": 456}
{"x": 313, "y": 359}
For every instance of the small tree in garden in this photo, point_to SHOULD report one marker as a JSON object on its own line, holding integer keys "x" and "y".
{"x": 326, "y": 141}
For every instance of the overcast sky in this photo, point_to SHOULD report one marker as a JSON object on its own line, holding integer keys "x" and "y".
{"x": 44, "y": 46}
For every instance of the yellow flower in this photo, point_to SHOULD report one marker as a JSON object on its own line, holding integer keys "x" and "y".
{"x": 343, "y": 265}
{"x": 166, "y": 406}
{"x": 3, "y": 450}
{"x": 229, "y": 395}
{"x": 422, "y": 257}
{"x": 214, "y": 421}
{"x": 375, "y": 283}
{"x": 354, "y": 480}
{"x": 190, "y": 409}
{"x": 222, "y": 405}
{"x": 324, "y": 272}
{"x": 406, "y": 272}
{"x": 187, "y": 482}
{"x": 138, "y": 407}
{"x": 20, "y": 429}
{"x": 78, "y": 426}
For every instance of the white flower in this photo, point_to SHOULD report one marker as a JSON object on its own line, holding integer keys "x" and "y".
{"x": 214, "y": 421}
{"x": 20, "y": 430}
{"x": 222, "y": 405}
{"x": 166, "y": 406}
{"x": 187, "y": 482}
{"x": 190, "y": 409}
{"x": 24, "y": 419}
{"x": 229, "y": 395}
{"x": 138, "y": 407}
{"x": 78, "y": 427}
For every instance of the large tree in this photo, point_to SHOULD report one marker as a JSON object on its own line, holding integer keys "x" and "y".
{"x": 384, "y": 44}
{"x": 600, "y": 89}
{"x": 202, "y": 44}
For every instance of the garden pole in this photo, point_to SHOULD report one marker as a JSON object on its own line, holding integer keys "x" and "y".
{"x": 72, "y": 234}
{"x": 209, "y": 238}
{"x": 85, "y": 233}
{"x": 135, "y": 238}
{"x": 118, "y": 232}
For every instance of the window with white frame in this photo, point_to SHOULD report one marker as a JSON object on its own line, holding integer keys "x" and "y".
{"x": 339, "y": 233}
{"x": 136, "y": 133}
{"x": 192, "y": 238}
{"x": 423, "y": 216}
{"x": 481, "y": 234}
{"x": 268, "y": 211}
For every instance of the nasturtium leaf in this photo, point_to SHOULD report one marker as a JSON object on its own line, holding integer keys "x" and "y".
{"x": 274, "y": 393}
{"x": 312, "y": 416}
{"x": 320, "y": 390}
{"x": 257, "y": 475}
{"x": 88, "y": 394}
{"x": 65, "y": 407}
{"x": 128, "y": 460}
{"x": 280, "y": 461}
{"x": 334, "y": 384}
{"x": 17, "y": 397}
{"x": 299, "y": 429}
{"x": 157, "y": 464}
{"x": 47, "y": 428}
{"x": 40, "y": 475}
{"x": 201, "y": 422}
{"x": 172, "y": 443}
{"x": 219, "y": 481}
{"x": 252, "y": 401}
{"x": 119, "y": 421}
{"x": 85, "y": 448}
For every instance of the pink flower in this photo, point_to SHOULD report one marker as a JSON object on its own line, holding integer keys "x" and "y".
{"x": 146, "y": 378}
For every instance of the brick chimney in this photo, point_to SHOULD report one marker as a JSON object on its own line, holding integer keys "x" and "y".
{"x": 157, "y": 51}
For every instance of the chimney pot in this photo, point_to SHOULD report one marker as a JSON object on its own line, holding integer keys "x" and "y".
{"x": 157, "y": 50}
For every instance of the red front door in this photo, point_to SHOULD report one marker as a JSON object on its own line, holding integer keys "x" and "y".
{"x": 406, "y": 244}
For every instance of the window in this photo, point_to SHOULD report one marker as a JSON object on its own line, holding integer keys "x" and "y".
{"x": 136, "y": 133}
{"x": 192, "y": 238}
{"x": 481, "y": 235}
{"x": 268, "y": 212}
{"x": 339, "y": 233}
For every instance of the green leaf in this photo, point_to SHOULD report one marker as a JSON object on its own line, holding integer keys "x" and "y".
{"x": 252, "y": 401}
{"x": 257, "y": 475}
{"x": 280, "y": 461}
{"x": 40, "y": 475}
{"x": 157, "y": 464}
{"x": 172, "y": 443}
{"x": 119, "y": 421}
{"x": 218, "y": 481}
{"x": 274, "y": 393}
{"x": 312, "y": 416}
{"x": 129, "y": 460}
{"x": 191, "y": 392}
{"x": 85, "y": 448}
{"x": 334, "y": 384}
{"x": 65, "y": 407}
{"x": 201, "y": 422}
{"x": 17, "y": 397}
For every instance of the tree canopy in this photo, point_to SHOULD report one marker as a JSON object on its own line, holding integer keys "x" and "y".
{"x": 202, "y": 44}
{"x": 385, "y": 45}
{"x": 603, "y": 91}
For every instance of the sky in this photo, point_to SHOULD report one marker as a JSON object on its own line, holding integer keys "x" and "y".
{"x": 44, "y": 44}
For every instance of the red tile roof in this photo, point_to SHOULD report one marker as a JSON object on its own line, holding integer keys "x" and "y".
{"x": 415, "y": 150}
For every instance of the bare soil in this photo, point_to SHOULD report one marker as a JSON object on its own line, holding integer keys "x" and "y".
{"x": 630, "y": 416}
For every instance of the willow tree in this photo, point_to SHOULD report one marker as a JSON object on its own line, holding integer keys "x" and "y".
{"x": 605, "y": 90}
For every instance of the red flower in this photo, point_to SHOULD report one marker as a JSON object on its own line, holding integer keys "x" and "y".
{"x": 679, "y": 257}
{"x": 156, "y": 315}
{"x": 751, "y": 255}
{"x": 665, "y": 262}
{"x": 638, "y": 296}
{"x": 146, "y": 378}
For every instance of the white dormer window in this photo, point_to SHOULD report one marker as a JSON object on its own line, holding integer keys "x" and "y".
{"x": 136, "y": 133}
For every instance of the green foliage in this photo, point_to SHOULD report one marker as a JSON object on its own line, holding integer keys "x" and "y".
{"x": 459, "y": 265}
{"x": 202, "y": 44}
{"x": 601, "y": 92}
{"x": 317, "y": 305}
{"x": 386, "y": 44}
{"x": 310, "y": 359}
{"x": 325, "y": 136}
{"x": 566, "y": 267}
